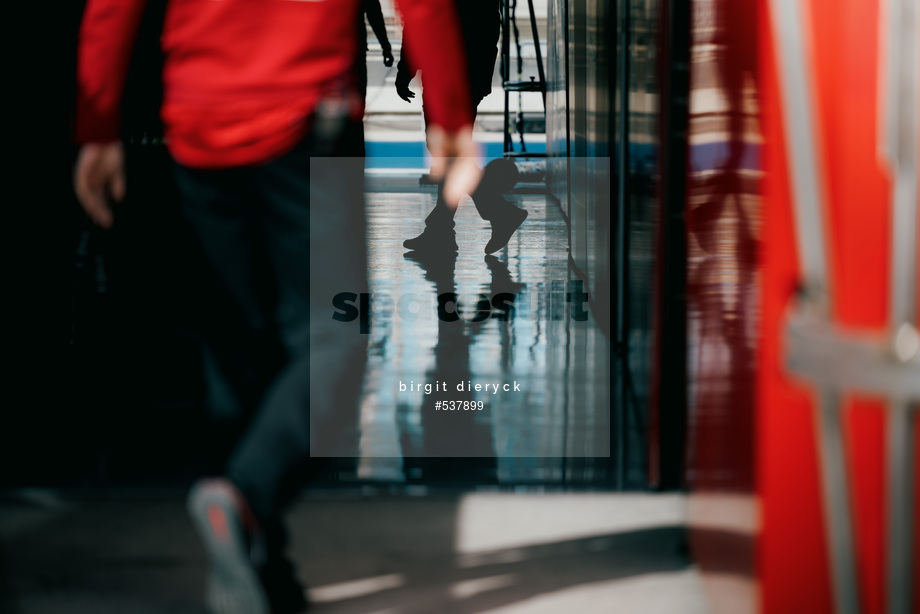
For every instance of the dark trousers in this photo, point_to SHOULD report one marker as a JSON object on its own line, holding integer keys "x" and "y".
{"x": 261, "y": 229}
{"x": 480, "y": 27}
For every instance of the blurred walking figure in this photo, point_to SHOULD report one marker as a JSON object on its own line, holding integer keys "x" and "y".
{"x": 373, "y": 13}
{"x": 480, "y": 26}
{"x": 262, "y": 105}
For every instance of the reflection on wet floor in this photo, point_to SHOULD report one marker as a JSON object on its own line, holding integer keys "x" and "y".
{"x": 518, "y": 325}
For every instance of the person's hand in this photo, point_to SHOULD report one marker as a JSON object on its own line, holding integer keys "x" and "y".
{"x": 99, "y": 178}
{"x": 388, "y": 58}
{"x": 455, "y": 157}
{"x": 402, "y": 87}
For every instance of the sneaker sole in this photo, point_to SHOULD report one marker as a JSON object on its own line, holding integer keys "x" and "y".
{"x": 429, "y": 248}
{"x": 233, "y": 586}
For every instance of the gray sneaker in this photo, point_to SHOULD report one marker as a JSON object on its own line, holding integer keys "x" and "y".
{"x": 229, "y": 533}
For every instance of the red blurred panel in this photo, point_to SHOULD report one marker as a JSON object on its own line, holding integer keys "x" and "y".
{"x": 792, "y": 553}
{"x": 865, "y": 440}
{"x": 843, "y": 61}
{"x": 793, "y": 562}
{"x": 845, "y": 50}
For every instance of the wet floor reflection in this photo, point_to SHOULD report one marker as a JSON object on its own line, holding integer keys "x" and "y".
{"x": 516, "y": 321}
{"x": 449, "y": 433}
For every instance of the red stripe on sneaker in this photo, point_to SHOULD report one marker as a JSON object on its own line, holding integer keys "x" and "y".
{"x": 218, "y": 522}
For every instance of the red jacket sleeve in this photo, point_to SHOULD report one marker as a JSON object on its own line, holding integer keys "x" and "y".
{"x": 432, "y": 34}
{"x": 106, "y": 41}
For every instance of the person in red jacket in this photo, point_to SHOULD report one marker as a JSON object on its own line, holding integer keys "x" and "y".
{"x": 262, "y": 116}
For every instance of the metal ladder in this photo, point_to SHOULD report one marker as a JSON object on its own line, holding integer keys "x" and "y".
{"x": 509, "y": 27}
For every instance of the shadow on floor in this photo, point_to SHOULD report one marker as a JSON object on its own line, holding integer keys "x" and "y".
{"x": 385, "y": 554}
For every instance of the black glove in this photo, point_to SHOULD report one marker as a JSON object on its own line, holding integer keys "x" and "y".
{"x": 387, "y": 57}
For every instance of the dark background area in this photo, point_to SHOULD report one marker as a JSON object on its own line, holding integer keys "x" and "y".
{"x": 104, "y": 340}
{"x": 102, "y": 344}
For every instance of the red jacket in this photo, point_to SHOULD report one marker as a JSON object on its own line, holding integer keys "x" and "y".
{"x": 241, "y": 76}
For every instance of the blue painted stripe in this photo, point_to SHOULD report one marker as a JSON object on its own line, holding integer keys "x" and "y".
{"x": 706, "y": 156}
{"x": 411, "y": 154}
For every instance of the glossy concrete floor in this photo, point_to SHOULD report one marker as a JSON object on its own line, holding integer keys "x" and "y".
{"x": 137, "y": 553}
{"x": 421, "y": 550}
{"x": 560, "y": 365}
